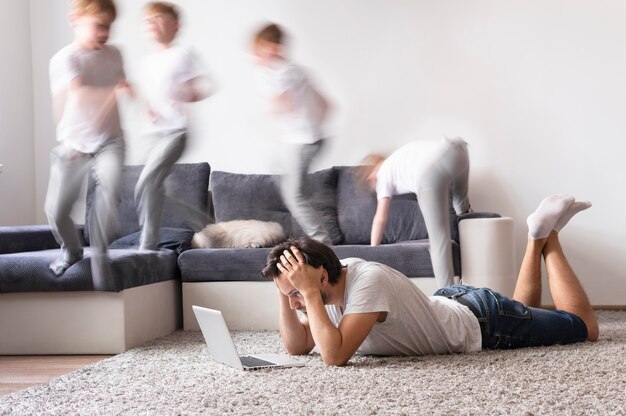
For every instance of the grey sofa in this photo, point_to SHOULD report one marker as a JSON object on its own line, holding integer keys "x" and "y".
{"x": 44, "y": 314}
{"x": 230, "y": 279}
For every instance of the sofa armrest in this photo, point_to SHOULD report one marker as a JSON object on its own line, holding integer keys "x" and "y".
{"x": 23, "y": 238}
{"x": 488, "y": 253}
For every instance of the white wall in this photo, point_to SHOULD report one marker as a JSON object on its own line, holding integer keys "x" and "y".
{"x": 17, "y": 181}
{"x": 536, "y": 87}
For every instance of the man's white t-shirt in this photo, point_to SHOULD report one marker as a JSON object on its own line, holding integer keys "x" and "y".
{"x": 90, "y": 114}
{"x": 416, "y": 324}
{"x": 402, "y": 172}
{"x": 303, "y": 122}
{"x": 163, "y": 74}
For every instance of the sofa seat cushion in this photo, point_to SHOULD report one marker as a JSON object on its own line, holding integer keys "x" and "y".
{"x": 177, "y": 239}
{"x": 28, "y": 272}
{"x": 412, "y": 258}
{"x": 205, "y": 265}
{"x": 222, "y": 264}
{"x": 257, "y": 197}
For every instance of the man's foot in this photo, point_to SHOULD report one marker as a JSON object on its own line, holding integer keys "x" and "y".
{"x": 60, "y": 266}
{"x": 572, "y": 210}
{"x": 545, "y": 217}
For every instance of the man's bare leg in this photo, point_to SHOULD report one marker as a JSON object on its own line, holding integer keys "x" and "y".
{"x": 540, "y": 224}
{"x": 565, "y": 288}
{"x": 528, "y": 286}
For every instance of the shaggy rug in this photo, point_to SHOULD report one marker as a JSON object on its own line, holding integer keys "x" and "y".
{"x": 175, "y": 376}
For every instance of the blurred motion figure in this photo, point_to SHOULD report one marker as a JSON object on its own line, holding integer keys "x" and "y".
{"x": 84, "y": 78}
{"x": 301, "y": 111}
{"x": 171, "y": 78}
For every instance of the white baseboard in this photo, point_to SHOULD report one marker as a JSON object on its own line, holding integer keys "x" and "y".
{"x": 87, "y": 322}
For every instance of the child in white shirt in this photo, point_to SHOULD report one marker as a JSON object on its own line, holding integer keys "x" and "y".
{"x": 84, "y": 78}
{"x": 301, "y": 110}
{"x": 171, "y": 79}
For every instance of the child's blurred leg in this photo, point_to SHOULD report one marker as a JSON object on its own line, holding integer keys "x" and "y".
{"x": 67, "y": 172}
{"x": 149, "y": 191}
{"x": 294, "y": 189}
{"x": 107, "y": 169}
{"x": 460, "y": 176}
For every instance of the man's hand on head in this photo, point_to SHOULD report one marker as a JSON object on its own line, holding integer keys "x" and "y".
{"x": 303, "y": 276}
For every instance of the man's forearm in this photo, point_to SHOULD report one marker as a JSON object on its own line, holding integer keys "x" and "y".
{"x": 327, "y": 337}
{"x": 293, "y": 332}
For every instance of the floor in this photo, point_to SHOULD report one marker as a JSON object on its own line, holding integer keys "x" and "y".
{"x": 21, "y": 372}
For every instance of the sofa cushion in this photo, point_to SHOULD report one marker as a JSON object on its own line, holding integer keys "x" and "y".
{"x": 28, "y": 272}
{"x": 177, "y": 239}
{"x": 16, "y": 239}
{"x": 247, "y": 196}
{"x": 356, "y": 208}
{"x": 222, "y": 264}
{"x": 188, "y": 183}
{"x": 412, "y": 258}
{"x": 205, "y": 265}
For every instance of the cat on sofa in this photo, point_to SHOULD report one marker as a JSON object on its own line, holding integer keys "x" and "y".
{"x": 239, "y": 234}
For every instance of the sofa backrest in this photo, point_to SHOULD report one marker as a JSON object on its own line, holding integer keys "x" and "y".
{"x": 239, "y": 196}
{"x": 187, "y": 182}
{"x": 356, "y": 208}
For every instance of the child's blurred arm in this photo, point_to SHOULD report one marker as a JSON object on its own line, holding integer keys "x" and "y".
{"x": 124, "y": 87}
{"x": 283, "y": 103}
{"x": 195, "y": 89}
{"x": 59, "y": 98}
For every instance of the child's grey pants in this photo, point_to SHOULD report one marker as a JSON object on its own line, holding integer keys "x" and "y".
{"x": 295, "y": 190}
{"x": 68, "y": 169}
{"x": 448, "y": 172}
{"x": 151, "y": 192}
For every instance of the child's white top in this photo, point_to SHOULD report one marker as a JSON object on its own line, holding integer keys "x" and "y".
{"x": 303, "y": 123}
{"x": 163, "y": 75}
{"x": 90, "y": 115}
{"x": 401, "y": 172}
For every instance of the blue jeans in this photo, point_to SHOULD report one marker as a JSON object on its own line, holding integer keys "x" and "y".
{"x": 506, "y": 323}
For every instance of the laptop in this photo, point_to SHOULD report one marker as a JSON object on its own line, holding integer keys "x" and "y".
{"x": 222, "y": 348}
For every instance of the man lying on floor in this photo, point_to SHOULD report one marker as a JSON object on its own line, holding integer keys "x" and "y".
{"x": 360, "y": 306}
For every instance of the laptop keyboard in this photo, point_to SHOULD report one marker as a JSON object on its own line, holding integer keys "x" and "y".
{"x": 248, "y": 361}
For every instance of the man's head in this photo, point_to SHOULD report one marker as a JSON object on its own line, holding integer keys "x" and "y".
{"x": 268, "y": 43}
{"x": 162, "y": 21}
{"x": 316, "y": 255}
{"x": 92, "y": 20}
{"x": 368, "y": 171}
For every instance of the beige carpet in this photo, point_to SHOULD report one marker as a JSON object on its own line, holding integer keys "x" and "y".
{"x": 175, "y": 376}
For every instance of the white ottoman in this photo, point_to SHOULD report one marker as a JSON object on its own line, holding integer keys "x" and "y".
{"x": 488, "y": 253}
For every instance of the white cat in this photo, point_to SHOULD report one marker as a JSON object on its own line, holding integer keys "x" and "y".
{"x": 239, "y": 234}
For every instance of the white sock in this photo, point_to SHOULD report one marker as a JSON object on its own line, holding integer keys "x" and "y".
{"x": 573, "y": 209}
{"x": 545, "y": 217}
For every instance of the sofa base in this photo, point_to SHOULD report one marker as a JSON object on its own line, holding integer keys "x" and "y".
{"x": 87, "y": 322}
{"x": 249, "y": 306}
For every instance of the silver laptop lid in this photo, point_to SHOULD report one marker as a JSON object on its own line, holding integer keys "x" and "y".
{"x": 217, "y": 336}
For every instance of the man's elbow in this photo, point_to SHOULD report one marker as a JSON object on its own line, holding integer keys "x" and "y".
{"x": 291, "y": 350}
{"x": 335, "y": 360}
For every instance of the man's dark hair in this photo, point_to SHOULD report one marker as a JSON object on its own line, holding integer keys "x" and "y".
{"x": 315, "y": 253}
{"x": 271, "y": 33}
